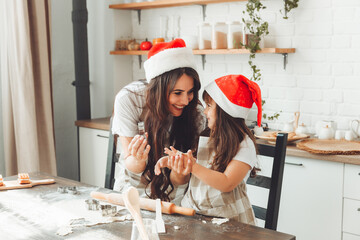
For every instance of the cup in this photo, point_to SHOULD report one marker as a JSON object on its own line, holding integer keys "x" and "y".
{"x": 355, "y": 127}
{"x": 339, "y": 135}
{"x": 150, "y": 227}
{"x": 349, "y": 135}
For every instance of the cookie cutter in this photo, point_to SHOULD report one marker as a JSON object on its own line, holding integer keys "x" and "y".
{"x": 72, "y": 190}
{"x": 92, "y": 204}
{"x": 108, "y": 210}
{"x": 62, "y": 190}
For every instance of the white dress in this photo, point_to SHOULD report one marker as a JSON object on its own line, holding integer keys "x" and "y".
{"x": 209, "y": 201}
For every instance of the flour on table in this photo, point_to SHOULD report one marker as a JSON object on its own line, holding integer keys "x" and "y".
{"x": 219, "y": 221}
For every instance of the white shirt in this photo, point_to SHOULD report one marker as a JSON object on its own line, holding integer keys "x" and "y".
{"x": 128, "y": 106}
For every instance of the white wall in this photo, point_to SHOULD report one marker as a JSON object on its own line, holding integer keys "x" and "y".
{"x": 321, "y": 80}
{"x": 107, "y": 74}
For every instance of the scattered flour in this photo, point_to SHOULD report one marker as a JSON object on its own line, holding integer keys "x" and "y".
{"x": 219, "y": 221}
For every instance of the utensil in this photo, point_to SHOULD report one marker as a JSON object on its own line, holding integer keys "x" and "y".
{"x": 160, "y": 225}
{"x": 296, "y": 123}
{"x": 131, "y": 200}
{"x": 14, "y": 184}
{"x": 145, "y": 203}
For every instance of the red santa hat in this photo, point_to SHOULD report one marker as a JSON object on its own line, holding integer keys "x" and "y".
{"x": 167, "y": 56}
{"x": 235, "y": 94}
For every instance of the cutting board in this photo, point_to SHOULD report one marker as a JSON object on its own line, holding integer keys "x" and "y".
{"x": 15, "y": 185}
{"x": 330, "y": 147}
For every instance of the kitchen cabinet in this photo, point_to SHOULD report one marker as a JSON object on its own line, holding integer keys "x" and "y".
{"x": 351, "y": 215}
{"x": 93, "y": 145}
{"x": 311, "y": 198}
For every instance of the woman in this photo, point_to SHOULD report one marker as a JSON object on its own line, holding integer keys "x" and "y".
{"x": 169, "y": 107}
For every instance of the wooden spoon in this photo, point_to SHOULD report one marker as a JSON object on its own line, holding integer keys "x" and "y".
{"x": 296, "y": 123}
{"x": 132, "y": 203}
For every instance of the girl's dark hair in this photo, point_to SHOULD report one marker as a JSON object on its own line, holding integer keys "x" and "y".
{"x": 226, "y": 136}
{"x": 166, "y": 130}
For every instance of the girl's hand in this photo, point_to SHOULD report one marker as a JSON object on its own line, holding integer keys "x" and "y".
{"x": 161, "y": 163}
{"x": 139, "y": 149}
{"x": 171, "y": 152}
{"x": 181, "y": 164}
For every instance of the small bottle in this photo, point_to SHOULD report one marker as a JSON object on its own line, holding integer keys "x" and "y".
{"x": 141, "y": 128}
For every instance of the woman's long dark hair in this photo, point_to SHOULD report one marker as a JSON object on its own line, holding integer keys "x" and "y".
{"x": 165, "y": 130}
{"x": 226, "y": 136}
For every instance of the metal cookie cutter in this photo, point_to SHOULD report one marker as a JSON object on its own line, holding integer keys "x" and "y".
{"x": 92, "y": 204}
{"x": 62, "y": 190}
{"x": 72, "y": 190}
{"x": 108, "y": 210}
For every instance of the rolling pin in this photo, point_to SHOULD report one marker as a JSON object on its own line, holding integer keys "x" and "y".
{"x": 145, "y": 203}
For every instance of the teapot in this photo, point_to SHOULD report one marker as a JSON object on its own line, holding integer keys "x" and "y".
{"x": 355, "y": 127}
{"x": 326, "y": 132}
{"x": 301, "y": 129}
{"x": 321, "y": 124}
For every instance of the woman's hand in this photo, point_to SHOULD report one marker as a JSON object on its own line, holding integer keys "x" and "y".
{"x": 139, "y": 149}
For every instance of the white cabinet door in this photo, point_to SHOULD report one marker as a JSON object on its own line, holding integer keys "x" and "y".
{"x": 93, "y": 144}
{"x": 352, "y": 181}
{"x": 351, "y": 223}
{"x": 311, "y": 200}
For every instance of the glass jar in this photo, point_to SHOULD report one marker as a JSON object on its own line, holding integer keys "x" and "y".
{"x": 234, "y": 35}
{"x": 219, "y": 36}
{"x": 251, "y": 39}
{"x": 205, "y": 35}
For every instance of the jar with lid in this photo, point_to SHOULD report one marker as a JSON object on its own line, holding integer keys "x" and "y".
{"x": 249, "y": 38}
{"x": 234, "y": 35}
{"x": 219, "y": 36}
{"x": 205, "y": 35}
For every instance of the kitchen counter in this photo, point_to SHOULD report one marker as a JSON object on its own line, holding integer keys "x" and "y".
{"x": 292, "y": 150}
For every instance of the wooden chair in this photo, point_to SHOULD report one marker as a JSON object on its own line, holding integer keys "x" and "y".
{"x": 112, "y": 158}
{"x": 273, "y": 183}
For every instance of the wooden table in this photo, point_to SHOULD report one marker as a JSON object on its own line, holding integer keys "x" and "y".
{"x": 39, "y": 212}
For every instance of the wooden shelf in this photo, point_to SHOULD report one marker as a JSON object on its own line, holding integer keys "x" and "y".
{"x": 166, "y": 3}
{"x": 214, "y": 51}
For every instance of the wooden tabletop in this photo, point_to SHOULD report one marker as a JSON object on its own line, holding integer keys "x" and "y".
{"x": 41, "y": 211}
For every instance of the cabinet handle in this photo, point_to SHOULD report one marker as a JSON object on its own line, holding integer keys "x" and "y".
{"x": 98, "y": 135}
{"x": 295, "y": 164}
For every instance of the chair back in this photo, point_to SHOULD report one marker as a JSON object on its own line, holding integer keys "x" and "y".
{"x": 273, "y": 183}
{"x": 112, "y": 158}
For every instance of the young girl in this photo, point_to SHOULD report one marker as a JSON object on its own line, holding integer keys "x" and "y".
{"x": 225, "y": 159}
